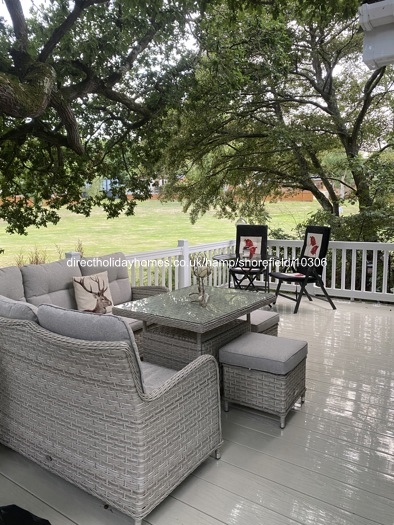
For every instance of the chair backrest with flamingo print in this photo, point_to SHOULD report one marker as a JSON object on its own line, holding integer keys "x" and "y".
{"x": 252, "y": 241}
{"x": 314, "y": 249}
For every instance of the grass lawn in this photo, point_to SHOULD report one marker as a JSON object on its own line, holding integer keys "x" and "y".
{"x": 155, "y": 225}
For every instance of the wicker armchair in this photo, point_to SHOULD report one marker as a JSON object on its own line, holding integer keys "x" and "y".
{"x": 81, "y": 410}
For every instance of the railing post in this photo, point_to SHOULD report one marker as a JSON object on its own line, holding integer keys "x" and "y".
{"x": 73, "y": 255}
{"x": 72, "y": 258}
{"x": 184, "y": 264}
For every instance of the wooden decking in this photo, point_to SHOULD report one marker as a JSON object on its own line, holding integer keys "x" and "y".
{"x": 333, "y": 464}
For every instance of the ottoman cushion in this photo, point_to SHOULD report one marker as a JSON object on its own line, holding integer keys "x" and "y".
{"x": 262, "y": 320}
{"x": 277, "y": 355}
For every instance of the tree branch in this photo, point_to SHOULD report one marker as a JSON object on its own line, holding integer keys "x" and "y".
{"x": 143, "y": 43}
{"x": 60, "y": 31}
{"x": 33, "y": 128}
{"x": 67, "y": 117}
{"x": 124, "y": 100}
{"x": 19, "y": 23}
{"x": 370, "y": 85}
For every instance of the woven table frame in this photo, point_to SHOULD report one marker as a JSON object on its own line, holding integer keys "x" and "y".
{"x": 275, "y": 394}
{"x": 78, "y": 409}
{"x": 272, "y": 330}
{"x": 175, "y": 348}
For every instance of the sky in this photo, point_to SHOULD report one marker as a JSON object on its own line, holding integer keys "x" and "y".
{"x": 25, "y": 6}
{"x": 3, "y": 10}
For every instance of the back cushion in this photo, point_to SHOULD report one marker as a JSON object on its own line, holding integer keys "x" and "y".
{"x": 11, "y": 284}
{"x": 87, "y": 326}
{"x": 17, "y": 309}
{"x": 50, "y": 283}
{"x": 118, "y": 275}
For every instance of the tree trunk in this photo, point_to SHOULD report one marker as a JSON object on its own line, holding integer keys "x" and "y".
{"x": 29, "y": 98}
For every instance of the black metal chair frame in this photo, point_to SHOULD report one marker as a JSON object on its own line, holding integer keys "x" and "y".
{"x": 308, "y": 268}
{"x": 245, "y": 270}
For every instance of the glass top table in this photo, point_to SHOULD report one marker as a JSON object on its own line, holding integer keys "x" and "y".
{"x": 176, "y": 309}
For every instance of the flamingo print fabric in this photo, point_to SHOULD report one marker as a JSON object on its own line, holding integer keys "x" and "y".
{"x": 313, "y": 244}
{"x": 250, "y": 247}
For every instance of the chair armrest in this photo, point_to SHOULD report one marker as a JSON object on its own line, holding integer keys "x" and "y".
{"x": 141, "y": 292}
{"x": 193, "y": 393}
{"x": 180, "y": 423}
{"x": 179, "y": 427}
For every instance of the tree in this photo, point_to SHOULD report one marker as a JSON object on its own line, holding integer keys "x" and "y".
{"x": 81, "y": 84}
{"x": 272, "y": 97}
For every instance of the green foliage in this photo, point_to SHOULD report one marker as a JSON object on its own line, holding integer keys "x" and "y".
{"x": 280, "y": 102}
{"x": 372, "y": 223}
{"x": 123, "y": 68}
{"x": 214, "y": 135}
{"x": 328, "y": 8}
{"x": 118, "y": 67}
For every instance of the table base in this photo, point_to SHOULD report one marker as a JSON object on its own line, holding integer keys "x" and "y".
{"x": 175, "y": 348}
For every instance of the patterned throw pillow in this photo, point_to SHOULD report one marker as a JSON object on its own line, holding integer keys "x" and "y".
{"x": 92, "y": 293}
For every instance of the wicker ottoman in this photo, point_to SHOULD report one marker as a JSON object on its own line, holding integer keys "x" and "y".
{"x": 264, "y": 372}
{"x": 263, "y": 322}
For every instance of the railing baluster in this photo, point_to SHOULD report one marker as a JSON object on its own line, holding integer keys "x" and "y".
{"x": 141, "y": 275}
{"x": 343, "y": 269}
{"x": 364, "y": 263}
{"x": 333, "y": 268}
{"x": 354, "y": 270}
{"x": 386, "y": 269}
{"x": 374, "y": 270}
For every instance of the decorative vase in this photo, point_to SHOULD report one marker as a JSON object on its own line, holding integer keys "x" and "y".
{"x": 201, "y": 269}
{"x": 203, "y": 296}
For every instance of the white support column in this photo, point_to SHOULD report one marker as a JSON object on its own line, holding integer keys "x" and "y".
{"x": 73, "y": 258}
{"x": 184, "y": 264}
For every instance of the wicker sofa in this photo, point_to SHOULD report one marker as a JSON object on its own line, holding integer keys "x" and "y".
{"x": 51, "y": 283}
{"x": 76, "y": 399}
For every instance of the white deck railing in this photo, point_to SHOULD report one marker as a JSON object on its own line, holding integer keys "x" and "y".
{"x": 354, "y": 270}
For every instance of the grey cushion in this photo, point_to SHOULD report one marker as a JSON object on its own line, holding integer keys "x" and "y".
{"x": 262, "y": 320}
{"x": 153, "y": 376}
{"x": 118, "y": 275}
{"x": 86, "y": 326}
{"x": 17, "y": 309}
{"x": 277, "y": 355}
{"x": 50, "y": 283}
{"x": 11, "y": 284}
